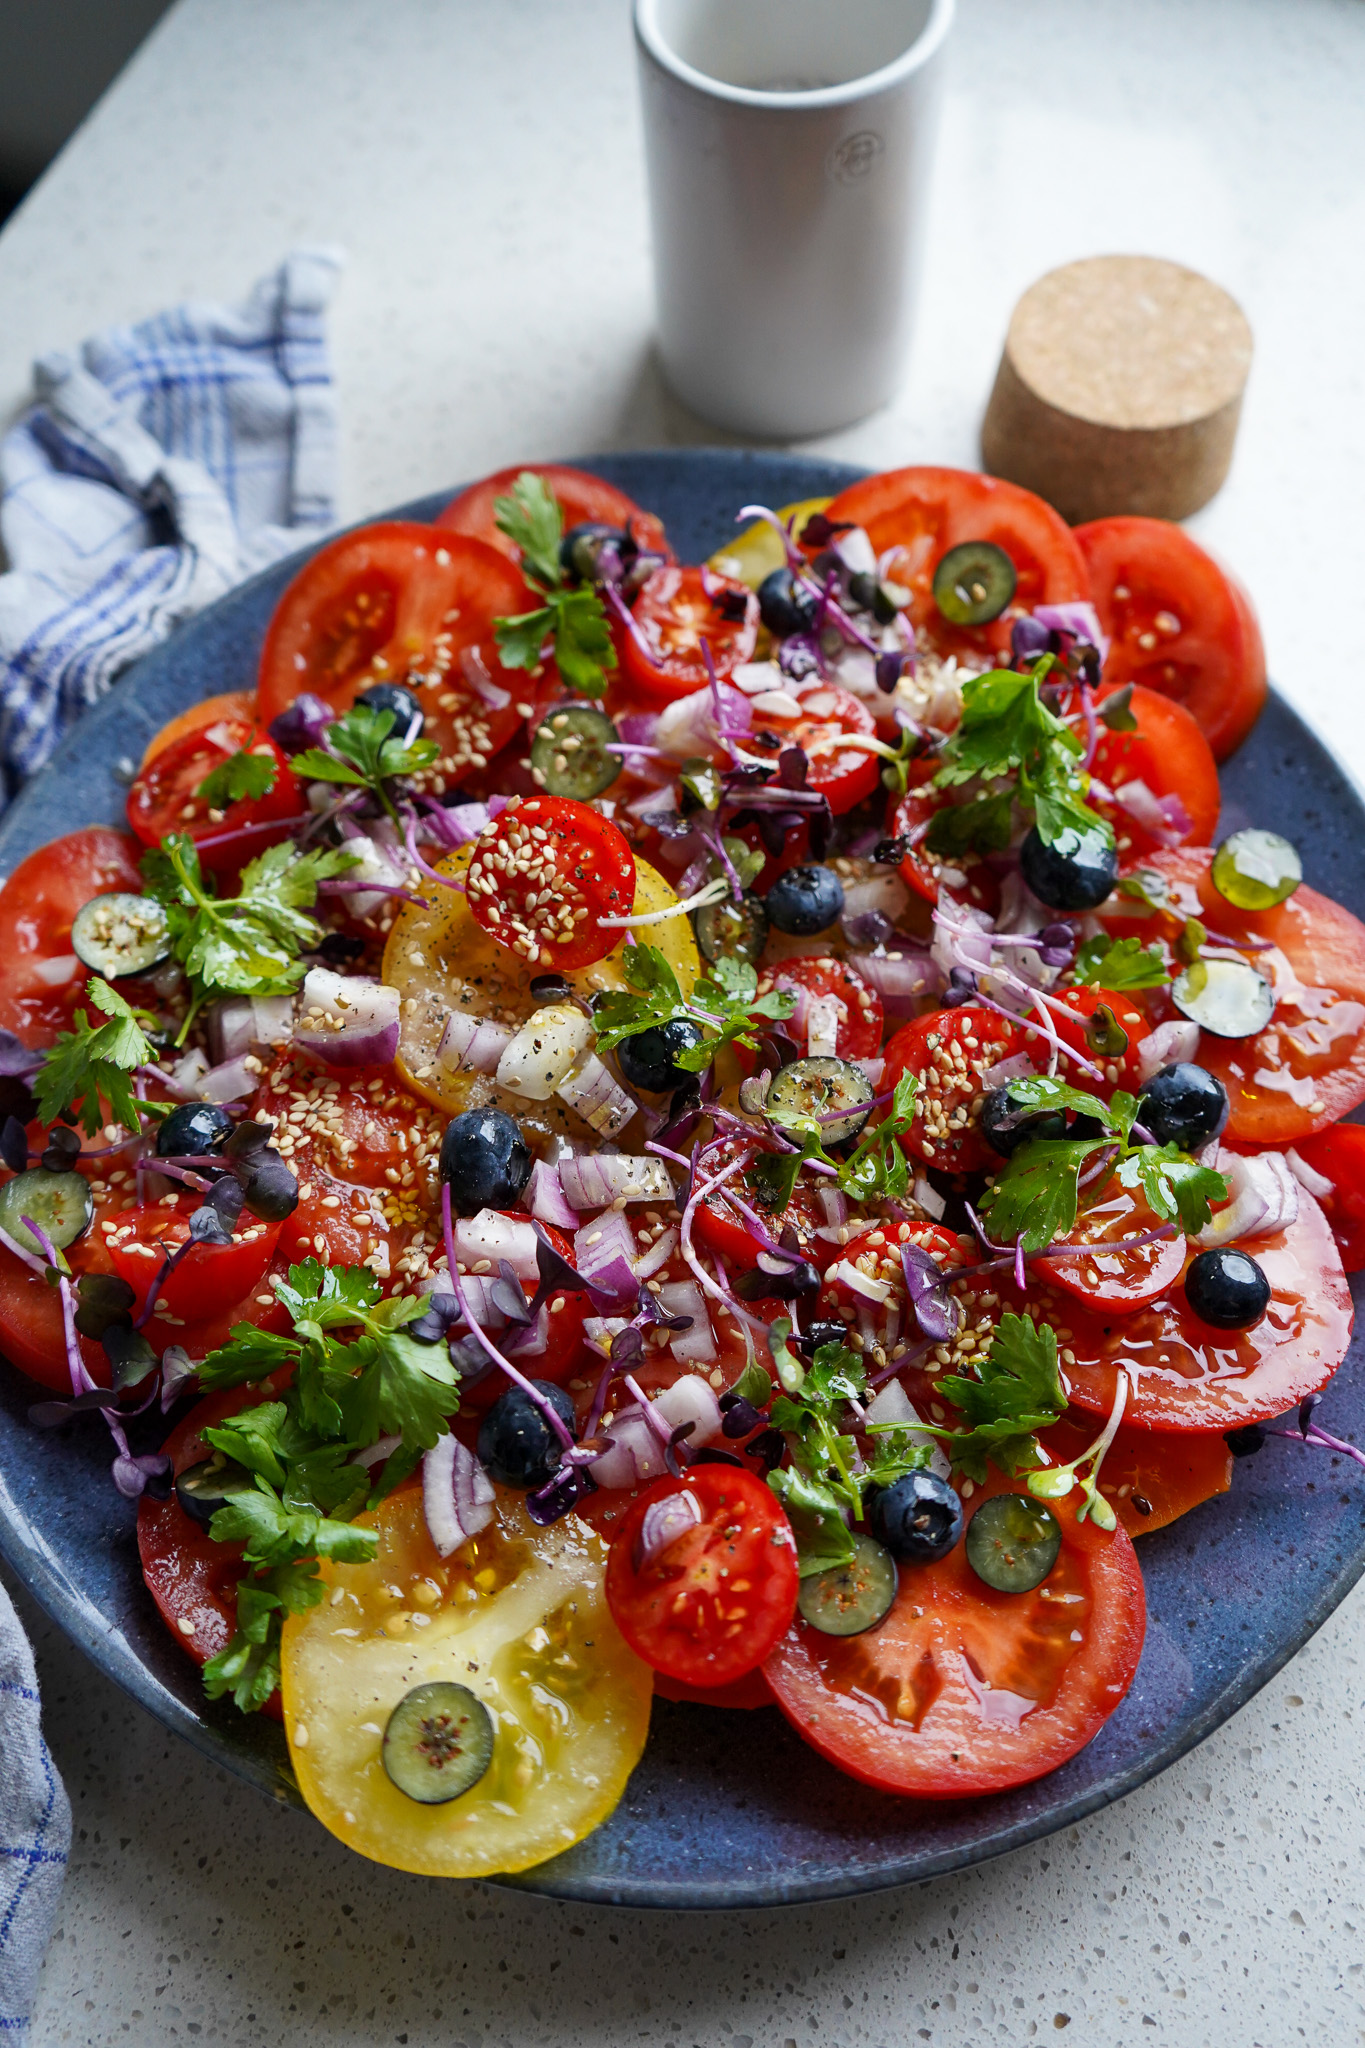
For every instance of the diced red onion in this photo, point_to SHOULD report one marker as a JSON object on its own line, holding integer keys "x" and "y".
{"x": 1177, "y": 1039}
{"x": 598, "y": 1097}
{"x": 1317, "y": 1184}
{"x": 1078, "y": 618}
{"x": 638, "y": 728}
{"x": 491, "y": 1235}
{"x": 899, "y": 977}
{"x": 601, "y": 1240}
{"x": 687, "y": 727}
{"x": 1165, "y": 818}
{"x": 229, "y": 1028}
{"x": 658, "y": 1255}
{"x": 229, "y": 1082}
{"x": 591, "y": 1181}
{"x": 55, "y": 973}
{"x": 874, "y": 1290}
{"x": 377, "y": 863}
{"x": 929, "y": 1199}
{"x": 834, "y": 1202}
{"x": 664, "y": 1522}
{"x": 893, "y": 1404}
{"x": 1013, "y": 1069}
{"x": 884, "y": 891}
{"x": 467, "y": 821}
{"x": 346, "y": 1020}
{"x": 1265, "y": 1198}
{"x": 185, "y": 1076}
{"x": 471, "y": 1045}
{"x": 874, "y": 1069}
{"x": 635, "y": 1455}
{"x": 824, "y": 1014}
{"x": 457, "y": 1495}
{"x": 685, "y": 1298}
{"x": 480, "y": 682}
{"x": 545, "y": 1198}
{"x": 376, "y": 1453}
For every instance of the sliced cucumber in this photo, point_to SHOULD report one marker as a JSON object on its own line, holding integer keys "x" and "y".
{"x": 973, "y": 583}
{"x": 59, "y": 1203}
{"x": 120, "y": 935}
{"x": 1256, "y": 869}
{"x": 1226, "y": 997}
{"x": 569, "y": 752}
{"x": 851, "y": 1597}
{"x": 438, "y": 1742}
{"x": 1012, "y": 1542}
{"x": 732, "y": 931}
{"x": 809, "y": 1091}
{"x": 204, "y": 1488}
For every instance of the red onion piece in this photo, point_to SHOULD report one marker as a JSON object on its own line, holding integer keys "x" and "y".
{"x": 1165, "y": 818}
{"x": 480, "y": 682}
{"x": 1012, "y": 1069}
{"x": 1317, "y": 1184}
{"x": 685, "y": 1298}
{"x": 347, "y": 1021}
{"x": 664, "y": 1522}
{"x": 591, "y": 1181}
{"x": 457, "y": 1494}
{"x": 1265, "y": 1198}
{"x": 491, "y": 1235}
{"x": 545, "y": 1198}
{"x": 230, "y": 1082}
{"x": 658, "y": 1255}
{"x": 1177, "y": 1039}
{"x": 688, "y": 727}
{"x": 899, "y": 976}
{"x": 471, "y": 1045}
{"x": 598, "y": 1096}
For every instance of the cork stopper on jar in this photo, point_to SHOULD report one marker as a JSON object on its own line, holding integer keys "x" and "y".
{"x": 1120, "y": 389}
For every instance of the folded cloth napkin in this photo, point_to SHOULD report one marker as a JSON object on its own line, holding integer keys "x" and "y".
{"x": 159, "y": 467}
{"x": 35, "y": 1827}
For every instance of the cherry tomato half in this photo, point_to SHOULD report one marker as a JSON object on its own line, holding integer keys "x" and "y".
{"x": 675, "y": 612}
{"x": 949, "y": 1051}
{"x": 1339, "y": 1154}
{"x": 403, "y": 603}
{"x": 1121, "y": 1070}
{"x": 544, "y": 874}
{"x": 963, "y": 1690}
{"x": 967, "y": 877}
{"x": 711, "y": 1603}
{"x": 1117, "y": 1280}
{"x": 1170, "y": 755}
{"x": 831, "y": 724}
{"x": 42, "y": 976}
{"x": 208, "y": 711}
{"x": 581, "y": 497}
{"x": 206, "y": 1280}
{"x": 1179, "y": 624}
{"x": 165, "y": 797}
{"x": 860, "y": 1006}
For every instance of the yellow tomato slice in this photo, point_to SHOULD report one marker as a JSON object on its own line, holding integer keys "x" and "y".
{"x": 756, "y": 552}
{"x": 440, "y": 959}
{"x": 520, "y": 1617}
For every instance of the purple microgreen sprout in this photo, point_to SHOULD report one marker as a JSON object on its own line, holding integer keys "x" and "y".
{"x": 518, "y": 1378}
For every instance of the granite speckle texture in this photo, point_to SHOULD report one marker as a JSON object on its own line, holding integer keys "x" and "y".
{"x": 479, "y": 160}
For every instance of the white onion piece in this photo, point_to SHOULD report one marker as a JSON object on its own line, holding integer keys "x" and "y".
{"x": 375, "y": 1454}
{"x": 230, "y": 1026}
{"x": 1308, "y": 1176}
{"x": 1141, "y": 803}
{"x": 658, "y": 1255}
{"x": 477, "y": 676}
{"x": 884, "y": 891}
{"x": 687, "y": 726}
{"x": 377, "y": 863}
{"x": 690, "y": 1399}
{"x": 929, "y": 1199}
{"x": 543, "y": 1051}
{"x": 664, "y": 1522}
{"x": 822, "y": 1026}
{"x": 532, "y": 1339}
{"x": 472, "y": 1045}
{"x": 861, "y": 1283}
{"x": 755, "y": 676}
{"x": 893, "y": 1404}
{"x": 600, "y": 1330}
{"x": 491, "y": 1235}
{"x": 855, "y": 551}
{"x": 776, "y": 704}
{"x": 591, "y": 1182}
{"x": 1013, "y": 1069}
{"x": 546, "y": 1196}
{"x": 834, "y": 1202}
{"x": 347, "y": 1021}
{"x": 601, "y": 1240}
{"x": 684, "y": 1298}
{"x": 1178, "y": 1039}
{"x": 272, "y": 1019}
{"x": 598, "y": 1097}
{"x": 187, "y": 1073}
{"x": 1265, "y": 1198}
{"x": 457, "y": 1494}
{"x": 635, "y": 1455}
{"x": 229, "y": 1082}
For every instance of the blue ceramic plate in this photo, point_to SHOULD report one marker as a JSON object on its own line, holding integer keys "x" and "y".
{"x": 731, "y": 1809}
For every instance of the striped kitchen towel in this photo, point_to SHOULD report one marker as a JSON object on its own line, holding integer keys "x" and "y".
{"x": 35, "y": 1828}
{"x": 157, "y": 468}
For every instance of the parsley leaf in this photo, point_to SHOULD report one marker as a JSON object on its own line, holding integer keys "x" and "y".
{"x": 726, "y": 1002}
{"x": 982, "y": 826}
{"x": 1004, "y": 726}
{"x": 815, "y": 1511}
{"x": 1018, "y": 1392}
{"x": 572, "y": 620}
{"x": 95, "y": 1062}
{"x": 363, "y": 752}
{"x": 1034, "y": 1196}
{"x": 241, "y": 775}
{"x": 877, "y": 1166}
{"x": 1118, "y": 964}
{"x": 1007, "y": 732}
{"x": 1176, "y": 1187}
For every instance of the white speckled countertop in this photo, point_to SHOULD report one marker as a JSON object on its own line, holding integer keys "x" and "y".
{"x": 479, "y": 160}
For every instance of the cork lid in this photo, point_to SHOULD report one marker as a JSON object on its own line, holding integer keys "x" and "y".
{"x": 1130, "y": 342}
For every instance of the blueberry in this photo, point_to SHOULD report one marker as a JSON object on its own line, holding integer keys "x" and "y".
{"x": 1227, "y": 1289}
{"x": 516, "y": 1442}
{"x": 1183, "y": 1105}
{"x": 784, "y": 606}
{"x": 580, "y": 551}
{"x": 393, "y": 697}
{"x": 1076, "y": 872}
{"x": 1005, "y": 1123}
{"x": 919, "y": 1519}
{"x": 647, "y": 1060}
{"x": 192, "y": 1130}
{"x": 819, "y": 1333}
{"x": 485, "y": 1161}
{"x": 803, "y": 901}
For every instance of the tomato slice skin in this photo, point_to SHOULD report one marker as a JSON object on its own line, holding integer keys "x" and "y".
{"x": 398, "y": 602}
{"x": 164, "y": 796}
{"x": 1167, "y": 1474}
{"x": 721, "y": 1229}
{"x": 1147, "y": 577}
{"x": 962, "y": 1690}
{"x": 552, "y": 846}
{"x": 581, "y": 496}
{"x": 1171, "y": 755}
{"x": 753, "y": 1690}
{"x": 675, "y": 611}
{"x": 947, "y": 1128}
{"x": 1339, "y": 1154}
{"x": 1122, "y": 1280}
{"x": 42, "y": 975}
{"x": 1185, "y": 1375}
{"x": 678, "y": 1612}
{"x": 207, "y": 1280}
{"x": 925, "y": 511}
{"x": 1123, "y": 1071}
{"x": 861, "y": 1021}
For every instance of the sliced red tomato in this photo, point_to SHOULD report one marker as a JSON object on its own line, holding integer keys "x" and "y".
{"x": 1307, "y": 1068}
{"x": 582, "y": 498}
{"x": 1150, "y": 1477}
{"x": 949, "y": 1052}
{"x": 962, "y": 1690}
{"x": 676, "y": 611}
{"x": 1168, "y": 755}
{"x": 165, "y": 797}
{"x": 1339, "y": 1155}
{"x": 192, "y": 1579}
{"x": 923, "y": 512}
{"x": 1117, "y": 1280}
{"x": 1178, "y": 622}
{"x": 32, "y": 1329}
{"x": 1121, "y": 1070}
{"x": 860, "y": 1006}
{"x": 544, "y": 874}
{"x": 207, "y": 1279}
{"x": 403, "y": 603}
{"x": 969, "y": 878}
{"x": 209, "y": 711}
{"x": 42, "y": 975}
{"x": 708, "y": 1605}
{"x": 831, "y": 725}
{"x": 1185, "y": 1374}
